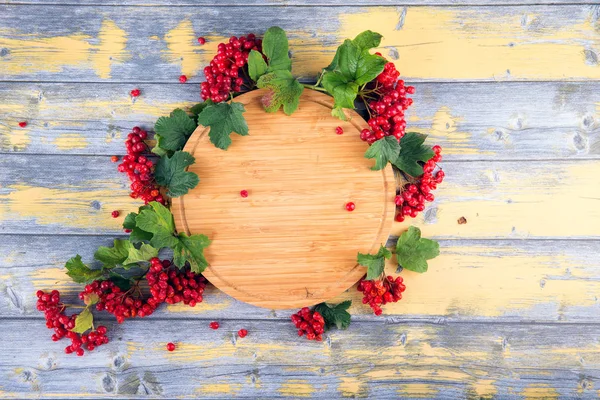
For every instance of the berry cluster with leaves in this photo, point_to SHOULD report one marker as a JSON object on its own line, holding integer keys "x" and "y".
{"x": 313, "y": 323}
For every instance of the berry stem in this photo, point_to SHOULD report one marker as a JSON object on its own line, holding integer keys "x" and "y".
{"x": 314, "y": 87}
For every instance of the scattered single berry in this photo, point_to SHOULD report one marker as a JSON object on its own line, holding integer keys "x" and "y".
{"x": 135, "y": 92}
{"x": 201, "y": 40}
{"x": 23, "y": 124}
{"x": 114, "y": 158}
{"x": 350, "y": 206}
{"x": 171, "y": 346}
{"x": 214, "y": 325}
{"x": 242, "y": 333}
{"x": 339, "y": 130}
{"x": 244, "y": 193}
{"x": 183, "y": 79}
{"x": 115, "y": 214}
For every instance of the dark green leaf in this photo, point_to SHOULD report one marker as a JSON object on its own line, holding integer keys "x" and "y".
{"x": 284, "y": 90}
{"x": 122, "y": 283}
{"x": 413, "y": 251}
{"x": 129, "y": 221}
{"x": 275, "y": 47}
{"x": 375, "y": 263}
{"x": 191, "y": 249}
{"x": 137, "y": 235}
{"x": 173, "y": 131}
{"x": 257, "y": 66}
{"x": 112, "y": 256}
{"x": 198, "y": 108}
{"x": 367, "y": 40}
{"x": 358, "y": 65}
{"x": 143, "y": 254}
{"x": 84, "y": 321}
{"x": 335, "y": 315}
{"x": 224, "y": 119}
{"x": 384, "y": 150}
{"x": 171, "y": 172}
{"x": 80, "y": 272}
{"x": 412, "y": 150}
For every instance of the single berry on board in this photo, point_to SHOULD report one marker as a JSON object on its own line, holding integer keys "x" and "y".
{"x": 183, "y": 79}
{"x": 350, "y": 206}
{"x": 339, "y": 130}
{"x": 244, "y": 193}
{"x": 115, "y": 214}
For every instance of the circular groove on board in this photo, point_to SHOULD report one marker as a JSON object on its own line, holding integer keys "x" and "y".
{"x": 274, "y": 218}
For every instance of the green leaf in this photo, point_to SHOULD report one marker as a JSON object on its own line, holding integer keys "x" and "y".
{"x": 143, "y": 254}
{"x": 137, "y": 235}
{"x": 84, "y": 321}
{"x": 129, "y": 221}
{"x": 122, "y": 283}
{"x": 158, "y": 220}
{"x": 284, "y": 90}
{"x": 357, "y": 64}
{"x": 172, "y": 132}
{"x": 112, "y": 256}
{"x": 80, "y": 272}
{"x": 90, "y": 299}
{"x": 224, "y": 119}
{"x": 367, "y": 40}
{"x": 338, "y": 112}
{"x": 198, "y": 108}
{"x": 257, "y": 66}
{"x": 171, "y": 173}
{"x": 413, "y": 252}
{"x": 275, "y": 47}
{"x": 335, "y": 315}
{"x": 412, "y": 150}
{"x": 191, "y": 249}
{"x": 384, "y": 150}
{"x": 159, "y": 151}
{"x": 375, "y": 263}
{"x": 343, "y": 91}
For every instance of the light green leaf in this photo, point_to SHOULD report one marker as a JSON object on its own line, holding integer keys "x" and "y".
{"x": 413, "y": 251}
{"x": 257, "y": 66}
{"x": 343, "y": 91}
{"x": 275, "y": 47}
{"x": 143, "y": 254}
{"x": 375, "y": 263}
{"x": 224, "y": 119}
{"x": 358, "y": 65}
{"x": 112, "y": 256}
{"x": 83, "y": 322}
{"x": 284, "y": 90}
{"x": 80, "y": 272}
{"x": 383, "y": 151}
{"x": 158, "y": 220}
{"x": 191, "y": 249}
{"x": 367, "y": 40}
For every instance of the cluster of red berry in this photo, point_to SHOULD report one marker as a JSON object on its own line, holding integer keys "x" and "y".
{"x": 310, "y": 323}
{"x": 139, "y": 168}
{"x": 223, "y": 73}
{"x": 170, "y": 285}
{"x": 381, "y": 291}
{"x": 53, "y": 309}
{"x": 387, "y": 101}
{"x": 413, "y": 195}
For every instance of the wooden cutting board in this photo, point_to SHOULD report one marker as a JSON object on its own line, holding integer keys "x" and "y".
{"x": 291, "y": 242}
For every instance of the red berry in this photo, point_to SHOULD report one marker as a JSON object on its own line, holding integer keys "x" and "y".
{"x": 242, "y": 333}
{"x": 171, "y": 346}
{"x": 115, "y": 214}
{"x": 339, "y": 130}
{"x": 201, "y": 40}
{"x": 244, "y": 193}
{"x": 214, "y": 325}
{"x": 135, "y": 92}
{"x": 23, "y": 124}
{"x": 350, "y": 206}
{"x": 114, "y": 159}
{"x": 79, "y": 352}
{"x": 183, "y": 79}
{"x": 127, "y": 230}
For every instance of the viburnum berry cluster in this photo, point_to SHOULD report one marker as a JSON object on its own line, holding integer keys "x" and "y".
{"x": 53, "y": 309}
{"x": 139, "y": 167}
{"x": 417, "y": 191}
{"x": 309, "y": 323}
{"x": 381, "y": 291}
{"x": 386, "y": 101}
{"x": 223, "y": 73}
{"x": 167, "y": 285}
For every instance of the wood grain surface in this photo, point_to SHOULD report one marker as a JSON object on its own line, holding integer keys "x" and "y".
{"x": 291, "y": 242}
{"x": 509, "y": 310}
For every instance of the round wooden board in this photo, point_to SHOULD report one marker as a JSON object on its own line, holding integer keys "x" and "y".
{"x": 291, "y": 242}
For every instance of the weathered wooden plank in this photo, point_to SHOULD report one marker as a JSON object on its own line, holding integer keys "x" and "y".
{"x": 536, "y": 280}
{"x": 471, "y": 121}
{"x": 429, "y": 43}
{"x": 285, "y": 3}
{"x": 447, "y": 361}
{"x": 505, "y": 200}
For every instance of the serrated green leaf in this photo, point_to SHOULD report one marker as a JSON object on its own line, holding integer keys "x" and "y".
{"x": 343, "y": 91}
{"x": 137, "y": 235}
{"x": 412, "y": 150}
{"x": 375, "y": 263}
{"x": 413, "y": 251}
{"x": 275, "y": 47}
{"x": 223, "y": 120}
{"x": 171, "y": 173}
{"x": 80, "y": 272}
{"x": 158, "y": 220}
{"x": 335, "y": 315}
{"x": 115, "y": 255}
{"x": 383, "y": 151}
{"x": 257, "y": 66}
{"x": 159, "y": 151}
{"x": 367, "y": 40}
{"x": 198, "y": 108}
{"x": 83, "y": 322}
{"x": 174, "y": 131}
{"x": 191, "y": 249}
{"x": 143, "y": 254}
{"x": 358, "y": 65}
{"x": 284, "y": 90}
